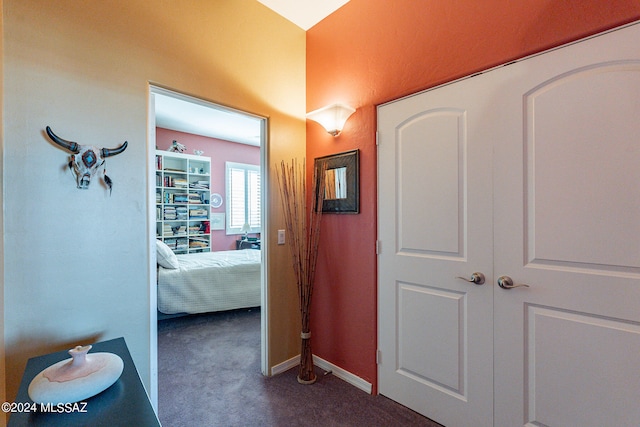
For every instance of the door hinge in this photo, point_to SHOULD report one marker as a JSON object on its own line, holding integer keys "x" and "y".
{"x": 378, "y": 247}
{"x": 377, "y": 138}
{"x": 378, "y": 357}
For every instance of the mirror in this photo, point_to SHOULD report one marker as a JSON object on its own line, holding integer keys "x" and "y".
{"x": 341, "y": 194}
{"x": 335, "y": 181}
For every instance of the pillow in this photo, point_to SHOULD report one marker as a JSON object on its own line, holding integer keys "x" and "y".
{"x": 166, "y": 257}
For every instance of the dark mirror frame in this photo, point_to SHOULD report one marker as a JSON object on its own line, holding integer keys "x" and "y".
{"x": 350, "y": 160}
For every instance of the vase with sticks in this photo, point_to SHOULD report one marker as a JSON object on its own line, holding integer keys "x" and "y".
{"x": 304, "y": 236}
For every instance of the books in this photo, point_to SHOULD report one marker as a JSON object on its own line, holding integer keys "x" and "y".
{"x": 204, "y": 185}
{"x": 198, "y": 213}
{"x": 195, "y": 242}
{"x": 183, "y": 185}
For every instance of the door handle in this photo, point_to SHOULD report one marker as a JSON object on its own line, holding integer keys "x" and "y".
{"x": 505, "y": 282}
{"x": 477, "y": 278}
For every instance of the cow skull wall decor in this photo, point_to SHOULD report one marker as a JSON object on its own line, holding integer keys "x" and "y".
{"x": 86, "y": 160}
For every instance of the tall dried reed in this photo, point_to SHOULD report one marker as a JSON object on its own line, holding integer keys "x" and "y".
{"x": 303, "y": 237}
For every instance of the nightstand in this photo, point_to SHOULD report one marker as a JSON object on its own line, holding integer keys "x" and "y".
{"x": 247, "y": 244}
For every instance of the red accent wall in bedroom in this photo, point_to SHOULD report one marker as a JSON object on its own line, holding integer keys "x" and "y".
{"x": 220, "y": 152}
{"x": 369, "y": 52}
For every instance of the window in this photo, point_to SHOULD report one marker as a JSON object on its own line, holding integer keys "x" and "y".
{"x": 243, "y": 197}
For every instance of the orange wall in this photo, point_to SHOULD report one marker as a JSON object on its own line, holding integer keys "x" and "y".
{"x": 367, "y": 53}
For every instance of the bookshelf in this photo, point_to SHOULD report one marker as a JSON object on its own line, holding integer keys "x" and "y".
{"x": 183, "y": 183}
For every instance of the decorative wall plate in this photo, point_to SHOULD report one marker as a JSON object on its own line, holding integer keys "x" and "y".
{"x": 216, "y": 200}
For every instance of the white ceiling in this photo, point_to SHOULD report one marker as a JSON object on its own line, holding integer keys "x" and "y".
{"x": 188, "y": 115}
{"x": 304, "y": 13}
{"x": 185, "y": 114}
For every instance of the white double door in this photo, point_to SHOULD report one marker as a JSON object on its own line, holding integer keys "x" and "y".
{"x": 530, "y": 171}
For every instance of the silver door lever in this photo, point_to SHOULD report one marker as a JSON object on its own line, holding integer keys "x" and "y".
{"x": 477, "y": 278}
{"x": 505, "y": 282}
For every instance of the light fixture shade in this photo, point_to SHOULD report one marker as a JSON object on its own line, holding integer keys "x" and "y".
{"x": 245, "y": 228}
{"x": 332, "y": 117}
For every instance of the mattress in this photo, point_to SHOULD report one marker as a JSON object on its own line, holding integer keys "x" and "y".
{"x": 210, "y": 281}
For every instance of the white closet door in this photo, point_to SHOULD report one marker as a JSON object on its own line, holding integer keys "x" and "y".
{"x": 567, "y": 223}
{"x": 530, "y": 171}
{"x": 435, "y": 224}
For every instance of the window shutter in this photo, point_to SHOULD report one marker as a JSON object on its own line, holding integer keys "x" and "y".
{"x": 254, "y": 199}
{"x": 243, "y": 197}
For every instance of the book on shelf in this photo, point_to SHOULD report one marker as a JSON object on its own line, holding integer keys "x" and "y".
{"x": 170, "y": 213}
{"x": 176, "y": 197}
{"x": 181, "y": 212}
{"x": 198, "y": 213}
{"x": 173, "y": 181}
{"x": 180, "y": 182}
{"x": 200, "y": 227}
{"x": 177, "y": 244}
{"x": 182, "y": 244}
{"x": 195, "y": 242}
{"x": 179, "y": 230}
{"x": 202, "y": 185}
{"x": 195, "y": 198}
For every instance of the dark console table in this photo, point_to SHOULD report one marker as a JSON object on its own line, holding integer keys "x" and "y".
{"x": 125, "y": 403}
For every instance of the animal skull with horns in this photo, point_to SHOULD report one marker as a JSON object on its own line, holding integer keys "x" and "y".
{"x": 86, "y": 159}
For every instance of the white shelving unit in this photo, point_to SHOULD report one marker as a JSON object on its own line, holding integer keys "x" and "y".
{"x": 183, "y": 183}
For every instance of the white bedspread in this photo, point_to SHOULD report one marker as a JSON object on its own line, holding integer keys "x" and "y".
{"x": 210, "y": 281}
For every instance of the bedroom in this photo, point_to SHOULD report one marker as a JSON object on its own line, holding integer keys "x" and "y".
{"x": 208, "y": 201}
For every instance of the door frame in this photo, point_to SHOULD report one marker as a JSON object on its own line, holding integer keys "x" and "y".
{"x": 154, "y": 89}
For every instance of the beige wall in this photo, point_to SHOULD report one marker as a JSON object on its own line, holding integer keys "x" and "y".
{"x": 76, "y": 264}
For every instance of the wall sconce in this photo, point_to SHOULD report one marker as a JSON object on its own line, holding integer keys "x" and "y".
{"x": 332, "y": 117}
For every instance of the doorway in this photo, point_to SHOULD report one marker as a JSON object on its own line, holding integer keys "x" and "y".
{"x": 184, "y": 113}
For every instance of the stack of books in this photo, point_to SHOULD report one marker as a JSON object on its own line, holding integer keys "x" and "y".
{"x": 176, "y": 197}
{"x": 180, "y": 182}
{"x": 170, "y": 213}
{"x": 181, "y": 212}
{"x": 198, "y": 213}
{"x": 181, "y": 244}
{"x": 195, "y": 198}
{"x": 179, "y": 230}
{"x": 200, "y": 184}
{"x": 198, "y": 243}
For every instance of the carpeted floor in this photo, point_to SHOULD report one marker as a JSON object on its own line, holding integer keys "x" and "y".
{"x": 209, "y": 375}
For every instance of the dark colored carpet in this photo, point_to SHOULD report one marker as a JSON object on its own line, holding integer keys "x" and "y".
{"x": 209, "y": 375}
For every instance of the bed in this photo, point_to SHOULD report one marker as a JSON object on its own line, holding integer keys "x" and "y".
{"x": 209, "y": 281}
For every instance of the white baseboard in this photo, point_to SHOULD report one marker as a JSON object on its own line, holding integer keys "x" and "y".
{"x": 285, "y": 366}
{"x": 344, "y": 375}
